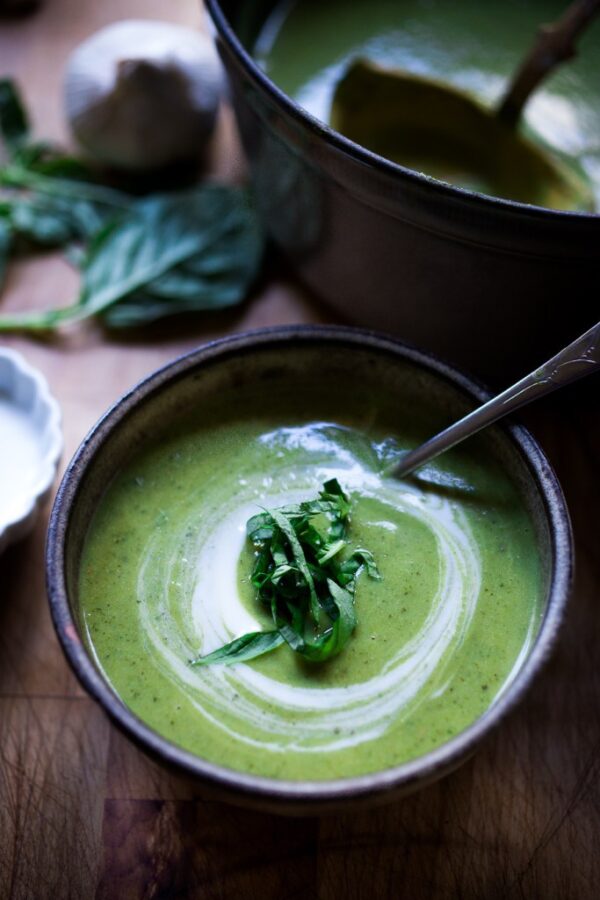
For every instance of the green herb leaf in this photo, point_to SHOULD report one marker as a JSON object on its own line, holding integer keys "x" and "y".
{"x": 55, "y": 221}
{"x": 284, "y": 524}
{"x": 216, "y": 274}
{"x": 249, "y": 646}
{"x": 14, "y": 126}
{"x": 58, "y": 184}
{"x": 43, "y": 158}
{"x": 305, "y": 577}
{"x": 131, "y": 253}
{"x": 141, "y": 260}
{"x": 149, "y": 260}
{"x": 5, "y": 243}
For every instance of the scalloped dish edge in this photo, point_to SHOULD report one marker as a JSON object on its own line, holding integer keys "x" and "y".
{"x": 51, "y": 431}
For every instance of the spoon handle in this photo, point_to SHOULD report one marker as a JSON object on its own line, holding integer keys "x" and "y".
{"x": 580, "y": 358}
{"x": 555, "y": 44}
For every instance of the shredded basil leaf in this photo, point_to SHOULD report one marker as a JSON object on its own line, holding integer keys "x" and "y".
{"x": 305, "y": 577}
{"x": 256, "y": 643}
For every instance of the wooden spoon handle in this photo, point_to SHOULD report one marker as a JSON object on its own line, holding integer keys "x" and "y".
{"x": 555, "y": 44}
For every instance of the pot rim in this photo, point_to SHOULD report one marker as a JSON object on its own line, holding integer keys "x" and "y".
{"x": 361, "y": 154}
{"x": 254, "y": 789}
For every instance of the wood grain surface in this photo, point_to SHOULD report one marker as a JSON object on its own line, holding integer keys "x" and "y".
{"x": 83, "y": 814}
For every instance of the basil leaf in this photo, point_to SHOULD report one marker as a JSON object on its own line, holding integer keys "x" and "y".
{"x": 332, "y": 488}
{"x": 21, "y": 177}
{"x": 52, "y": 221}
{"x": 300, "y": 579}
{"x": 45, "y": 159}
{"x": 260, "y": 527}
{"x": 216, "y": 275}
{"x": 366, "y": 557}
{"x": 14, "y": 126}
{"x": 249, "y": 646}
{"x": 134, "y": 251}
{"x": 349, "y": 568}
{"x": 331, "y": 642}
{"x": 131, "y": 252}
{"x": 296, "y": 547}
{"x": 5, "y": 244}
{"x": 331, "y": 551}
{"x": 41, "y": 225}
{"x": 198, "y": 249}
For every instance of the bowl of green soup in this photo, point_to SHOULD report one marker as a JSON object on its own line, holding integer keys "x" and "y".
{"x": 401, "y": 236}
{"x": 251, "y": 598}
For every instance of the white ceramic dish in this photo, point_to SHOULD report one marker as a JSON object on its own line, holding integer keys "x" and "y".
{"x": 30, "y": 445}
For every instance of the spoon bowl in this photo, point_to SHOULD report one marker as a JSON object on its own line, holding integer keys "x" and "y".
{"x": 428, "y": 125}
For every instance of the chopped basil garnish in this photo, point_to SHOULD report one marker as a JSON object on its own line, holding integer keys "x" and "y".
{"x": 305, "y": 576}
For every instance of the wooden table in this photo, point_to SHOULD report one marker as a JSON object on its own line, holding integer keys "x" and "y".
{"x": 83, "y": 814}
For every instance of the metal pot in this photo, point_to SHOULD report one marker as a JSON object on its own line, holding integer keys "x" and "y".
{"x": 489, "y": 283}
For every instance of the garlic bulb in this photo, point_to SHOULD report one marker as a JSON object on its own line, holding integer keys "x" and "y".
{"x": 143, "y": 94}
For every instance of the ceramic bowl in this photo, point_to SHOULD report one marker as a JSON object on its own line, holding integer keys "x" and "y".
{"x": 30, "y": 445}
{"x": 482, "y": 280}
{"x": 266, "y": 356}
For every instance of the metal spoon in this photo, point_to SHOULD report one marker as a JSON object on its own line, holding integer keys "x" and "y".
{"x": 580, "y": 358}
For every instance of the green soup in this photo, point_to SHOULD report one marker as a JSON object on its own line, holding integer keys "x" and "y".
{"x": 305, "y": 47}
{"x": 165, "y": 568}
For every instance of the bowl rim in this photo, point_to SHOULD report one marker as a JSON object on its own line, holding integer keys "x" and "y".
{"x": 279, "y": 793}
{"x": 363, "y": 155}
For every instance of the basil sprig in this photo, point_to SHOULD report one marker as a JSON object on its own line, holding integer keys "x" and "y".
{"x": 305, "y": 577}
{"x": 141, "y": 259}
